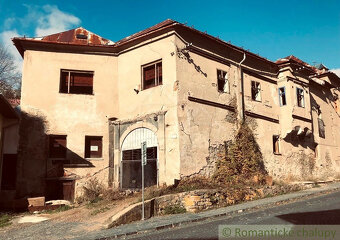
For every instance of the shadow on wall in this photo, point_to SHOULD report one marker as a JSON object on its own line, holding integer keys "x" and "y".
{"x": 184, "y": 54}
{"x": 34, "y": 165}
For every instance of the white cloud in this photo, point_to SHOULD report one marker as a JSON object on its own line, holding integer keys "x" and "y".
{"x": 336, "y": 71}
{"x": 45, "y": 20}
{"x": 55, "y": 21}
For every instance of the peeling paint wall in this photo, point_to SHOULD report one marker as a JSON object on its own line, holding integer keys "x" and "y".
{"x": 157, "y": 99}
{"x": 74, "y": 115}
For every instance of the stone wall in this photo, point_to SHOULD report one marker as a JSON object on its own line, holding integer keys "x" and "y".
{"x": 199, "y": 200}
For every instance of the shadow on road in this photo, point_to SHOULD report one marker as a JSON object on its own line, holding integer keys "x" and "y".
{"x": 329, "y": 217}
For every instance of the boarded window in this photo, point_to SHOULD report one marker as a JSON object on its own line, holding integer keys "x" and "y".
{"x": 282, "y": 96}
{"x": 256, "y": 91}
{"x": 222, "y": 81}
{"x": 77, "y": 82}
{"x": 152, "y": 75}
{"x": 57, "y": 146}
{"x": 300, "y": 97}
{"x": 276, "y": 144}
{"x": 321, "y": 125}
{"x": 93, "y": 146}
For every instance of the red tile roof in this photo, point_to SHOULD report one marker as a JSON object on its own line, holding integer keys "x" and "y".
{"x": 146, "y": 31}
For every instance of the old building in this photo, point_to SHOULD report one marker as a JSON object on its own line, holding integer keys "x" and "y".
{"x": 89, "y": 102}
{"x": 9, "y": 137}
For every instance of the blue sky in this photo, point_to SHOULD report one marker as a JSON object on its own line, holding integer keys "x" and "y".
{"x": 309, "y": 30}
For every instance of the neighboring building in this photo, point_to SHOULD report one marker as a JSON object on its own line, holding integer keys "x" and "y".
{"x": 9, "y": 137}
{"x": 89, "y": 103}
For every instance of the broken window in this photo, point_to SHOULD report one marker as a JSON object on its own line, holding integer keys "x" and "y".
{"x": 300, "y": 97}
{"x": 256, "y": 91}
{"x": 93, "y": 146}
{"x": 282, "y": 96}
{"x": 321, "y": 126}
{"x": 77, "y": 82}
{"x": 276, "y": 144}
{"x": 152, "y": 75}
{"x": 222, "y": 81}
{"x": 57, "y": 146}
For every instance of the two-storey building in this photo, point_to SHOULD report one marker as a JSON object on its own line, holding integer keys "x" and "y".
{"x": 88, "y": 103}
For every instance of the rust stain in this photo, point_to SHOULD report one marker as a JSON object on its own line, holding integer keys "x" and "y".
{"x": 78, "y": 36}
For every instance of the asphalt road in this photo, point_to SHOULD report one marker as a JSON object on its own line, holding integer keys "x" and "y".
{"x": 324, "y": 209}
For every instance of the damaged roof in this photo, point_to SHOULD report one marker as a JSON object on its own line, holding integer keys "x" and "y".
{"x": 6, "y": 109}
{"x": 73, "y": 38}
{"x": 78, "y": 35}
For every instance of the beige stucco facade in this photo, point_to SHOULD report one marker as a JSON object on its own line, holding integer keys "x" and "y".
{"x": 186, "y": 113}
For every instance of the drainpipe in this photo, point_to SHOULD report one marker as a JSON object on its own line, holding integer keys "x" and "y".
{"x": 242, "y": 112}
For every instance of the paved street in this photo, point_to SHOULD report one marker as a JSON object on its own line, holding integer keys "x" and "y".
{"x": 324, "y": 209}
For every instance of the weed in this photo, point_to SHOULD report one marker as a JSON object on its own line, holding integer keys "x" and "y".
{"x": 174, "y": 209}
{"x": 101, "y": 210}
{"x": 5, "y": 220}
{"x": 92, "y": 191}
{"x": 59, "y": 209}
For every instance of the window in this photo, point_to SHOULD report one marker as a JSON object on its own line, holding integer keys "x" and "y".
{"x": 282, "y": 96}
{"x": 300, "y": 97}
{"x": 78, "y": 82}
{"x": 321, "y": 126}
{"x": 222, "y": 81}
{"x": 57, "y": 146}
{"x": 93, "y": 147}
{"x": 152, "y": 75}
{"x": 276, "y": 144}
{"x": 255, "y": 91}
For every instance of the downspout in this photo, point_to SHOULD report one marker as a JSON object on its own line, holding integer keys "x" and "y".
{"x": 242, "y": 89}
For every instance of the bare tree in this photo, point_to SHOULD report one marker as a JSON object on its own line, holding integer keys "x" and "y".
{"x": 10, "y": 77}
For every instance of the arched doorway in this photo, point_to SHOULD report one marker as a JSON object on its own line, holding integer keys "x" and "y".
{"x": 131, "y": 167}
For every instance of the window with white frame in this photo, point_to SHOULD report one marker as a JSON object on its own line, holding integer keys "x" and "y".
{"x": 282, "y": 96}
{"x": 152, "y": 75}
{"x": 223, "y": 81}
{"x": 255, "y": 91}
{"x": 76, "y": 82}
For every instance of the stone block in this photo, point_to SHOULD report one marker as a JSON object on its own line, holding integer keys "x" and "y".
{"x": 36, "y": 202}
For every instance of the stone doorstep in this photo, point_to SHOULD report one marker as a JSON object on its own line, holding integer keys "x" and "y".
{"x": 191, "y": 217}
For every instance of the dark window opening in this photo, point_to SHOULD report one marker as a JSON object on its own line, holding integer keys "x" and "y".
{"x": 77, "y": 82}
{"x": 152, "y": 75}
{"x": 81, "y": 36}
{"x": 276, "y": 144}
{"x": 255, "y": 91}
{"x": 57, "y": 146}
{"x": 222, "y": 81}
{"x": 300, "y": 97}
{"x": 132, "y": 168}
{"x": 93, "y": 147}
{"x": 9, "y": 172}
{"x": 282, "y": 96}
{"x": 321, "y": 125}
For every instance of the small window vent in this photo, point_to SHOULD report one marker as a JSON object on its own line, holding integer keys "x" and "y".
{"x": 81, "y": 36}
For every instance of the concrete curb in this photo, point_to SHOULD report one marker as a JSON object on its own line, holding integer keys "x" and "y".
{"x": 170, "y": 221}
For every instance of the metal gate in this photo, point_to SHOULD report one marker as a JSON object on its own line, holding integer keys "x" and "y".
{"x": 131, "y": 168}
